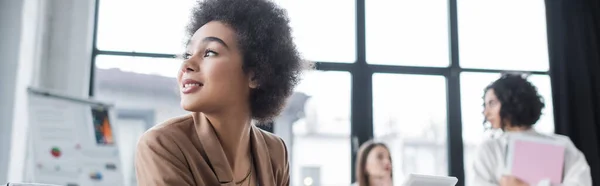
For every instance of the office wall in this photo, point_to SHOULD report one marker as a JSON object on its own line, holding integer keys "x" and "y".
{"x": 46, "y": 44}
{"x": 10, "y": 34}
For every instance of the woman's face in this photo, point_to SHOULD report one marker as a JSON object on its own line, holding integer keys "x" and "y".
{"x": 379, "y": 163}
{"x": 491, "y": 109}
{"x": 212, "y": 77}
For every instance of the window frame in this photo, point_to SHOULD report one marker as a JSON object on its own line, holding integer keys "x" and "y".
{"x": 362, "y": 86}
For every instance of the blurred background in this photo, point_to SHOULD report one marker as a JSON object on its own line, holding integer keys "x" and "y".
{"x": 409, "y": 73}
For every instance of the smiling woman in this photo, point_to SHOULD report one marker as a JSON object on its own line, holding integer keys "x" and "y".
{"x": 240, "y": 65}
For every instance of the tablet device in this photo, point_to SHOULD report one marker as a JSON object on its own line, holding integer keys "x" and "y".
{"x": 428, "y": 180}
{"x": 535, "y": 158}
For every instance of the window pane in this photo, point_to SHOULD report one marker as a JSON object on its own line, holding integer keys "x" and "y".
{"x": 407, "y": 32}
{"x": 153, "y": 26}
{"x": 472, "y": 91}
{"x": 159, "y": 27}
{"x": 319, "y": 122}
{"x": 323, "y": 30}
{"x": 409, "y": 113}
{"x": 128, "y": 132}
{"x": 508, "y": 34}
{"x": 143, "y": 65}
{"x": 137, "y": 83}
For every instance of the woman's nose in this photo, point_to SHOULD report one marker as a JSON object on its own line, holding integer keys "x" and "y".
{"x": 188, "y": 66}
{"x": 187, "y": 69}
{"x": 387, "y": 162}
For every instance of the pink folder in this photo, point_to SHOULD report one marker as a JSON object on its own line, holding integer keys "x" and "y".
{"x": 533, "y": 160}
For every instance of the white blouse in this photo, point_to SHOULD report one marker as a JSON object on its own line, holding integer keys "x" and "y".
{"x": 490, "y": 160}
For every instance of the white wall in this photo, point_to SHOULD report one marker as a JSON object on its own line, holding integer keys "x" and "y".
{"x": 69, "y": 46}
{"x": 46, "y": 44}
{"x": 10, "y": 34}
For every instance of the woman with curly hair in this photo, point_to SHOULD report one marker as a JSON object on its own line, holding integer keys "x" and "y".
{"x": 513, "y": 105}
{"x": 240, "y": 65}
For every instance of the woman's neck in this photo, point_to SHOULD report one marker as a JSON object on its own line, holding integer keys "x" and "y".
{"x": 233, "y": 131}
{"x": 380, "y": 181}
{"x": 510, "y": 128}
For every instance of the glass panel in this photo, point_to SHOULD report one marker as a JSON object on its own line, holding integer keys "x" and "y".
{"x": 508, "y": 34}
{"x": 318, "y": 119}
{"x": 472, "y": 91}
{"x": 143, "y": 25}
{"x": 139, "y": 83}
{"x": 167, "y": 67}
{"x": 409, "y": 113}
{"x": 159, "y": 27}
{"x": 323, "y": 30}
{"x": 407, "y": 32}
{"x": 128, "y": 133}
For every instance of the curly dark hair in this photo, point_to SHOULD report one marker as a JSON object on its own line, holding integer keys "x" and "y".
{"x": 521, "y": 104}
{"x": 267, "y": 48}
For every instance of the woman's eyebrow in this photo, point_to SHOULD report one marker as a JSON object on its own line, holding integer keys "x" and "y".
{"x": 207, "y": 40}
{"x": 215, "y": 39}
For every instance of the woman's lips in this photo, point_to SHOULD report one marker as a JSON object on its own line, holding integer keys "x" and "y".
{"x": 190, "y": 86}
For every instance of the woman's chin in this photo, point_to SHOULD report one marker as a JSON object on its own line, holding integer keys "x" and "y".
{"x": 189, "y": 107}
{"x": 189, "y": 110}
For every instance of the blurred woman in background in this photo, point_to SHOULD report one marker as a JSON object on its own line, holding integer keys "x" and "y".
{"x": 373, "y": 165}
{"x": 512, "y": 104}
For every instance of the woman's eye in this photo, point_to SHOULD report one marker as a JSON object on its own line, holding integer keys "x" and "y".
{"x": 187, "y": 56}
{"x": 209, "y": 53}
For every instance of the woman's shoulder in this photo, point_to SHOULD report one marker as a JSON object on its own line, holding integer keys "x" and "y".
{"x": 495, "y": 143}
{"x": 556, "y": 138}
{"x": 490, "y": 149}
{"x": 274, "y": 143}
{"x": 168, "y": 131}
{"x": 174, "y": 123}
{"x": 562, "y": 138}
{"x": 566, "y": 141}
{"x": 271, "y": 139}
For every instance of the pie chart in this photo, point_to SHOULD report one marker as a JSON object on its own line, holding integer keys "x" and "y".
{"x": 96, "y": 176}
{"x": 55, "y": 152}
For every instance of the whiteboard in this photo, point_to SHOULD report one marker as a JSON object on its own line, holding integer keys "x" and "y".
{"x": 71, "y": 141}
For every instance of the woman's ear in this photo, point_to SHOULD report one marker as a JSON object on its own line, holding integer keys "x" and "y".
{"x": 252, "y": 82}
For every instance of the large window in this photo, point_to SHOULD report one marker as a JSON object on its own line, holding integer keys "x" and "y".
{"x": 409, "y": 113}
{"x": 407, "y": 32}
{"x": 151, "y": 26}
{"x": 323, "y": 127}
{"x": 507, "y": 34}
{"x": 491, "y": 38}
{"x": 405, "y": 72}
{"x": 323, "y": 30}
